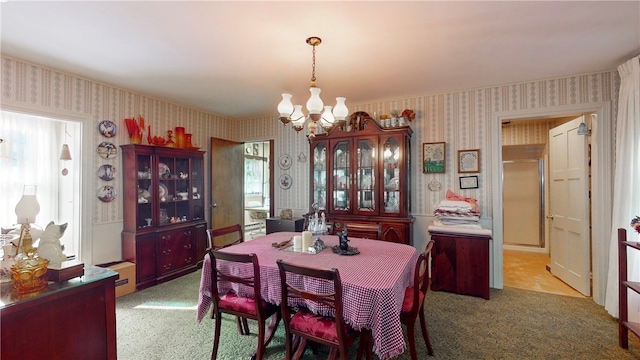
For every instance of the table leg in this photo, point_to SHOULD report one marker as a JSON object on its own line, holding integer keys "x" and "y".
{"x": 269, "y": 333}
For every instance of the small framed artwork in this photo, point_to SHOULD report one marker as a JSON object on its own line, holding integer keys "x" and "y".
{"x": 433, "y": 157}
{"x": 469, "y": 161}
{"x": 468, "y": 182}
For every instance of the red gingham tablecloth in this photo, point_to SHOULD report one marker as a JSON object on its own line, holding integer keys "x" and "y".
{"x": 373, "y": 281}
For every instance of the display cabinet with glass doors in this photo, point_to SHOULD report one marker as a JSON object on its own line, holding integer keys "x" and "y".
{"x": 163, "y": 207}
{"x": 360, "y": 179}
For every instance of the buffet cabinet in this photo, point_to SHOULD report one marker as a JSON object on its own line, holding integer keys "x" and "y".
{"x": 360, "y": 179}
{"x": 164, "y": 228}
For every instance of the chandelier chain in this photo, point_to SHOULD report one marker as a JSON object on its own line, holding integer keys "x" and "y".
{"x": 313, "y": 67}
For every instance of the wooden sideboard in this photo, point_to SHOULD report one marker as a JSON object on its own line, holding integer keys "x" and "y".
{"x": 75, "y": 319}
{"x": 460, "y": 262}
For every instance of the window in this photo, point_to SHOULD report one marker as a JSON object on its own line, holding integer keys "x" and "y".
{"x": 30, "y": 155}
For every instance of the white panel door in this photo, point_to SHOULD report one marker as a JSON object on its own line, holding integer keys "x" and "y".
{"x": 569, "y": 206}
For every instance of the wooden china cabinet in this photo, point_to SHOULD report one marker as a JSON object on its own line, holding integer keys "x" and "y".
{"x": 164, "y": 227}
{"x": 361, "y": 179}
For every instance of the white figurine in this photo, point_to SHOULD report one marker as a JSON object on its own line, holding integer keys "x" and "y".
{"x": 50, "y": 247}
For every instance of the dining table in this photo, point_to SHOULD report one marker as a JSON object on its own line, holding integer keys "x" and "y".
{"x": 373, "y": 281}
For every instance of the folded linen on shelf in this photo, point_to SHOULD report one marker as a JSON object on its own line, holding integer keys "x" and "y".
{"x": 473, "y": 225}
{"x": 458, "y": 211}
{"x": 455, "y": 204}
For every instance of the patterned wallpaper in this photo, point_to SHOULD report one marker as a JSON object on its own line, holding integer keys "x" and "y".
{"x": 462, "y": 119}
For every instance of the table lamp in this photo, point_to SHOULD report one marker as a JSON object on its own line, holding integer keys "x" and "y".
{"x": 29, "y": 268}
{"x": 27, "y": 209}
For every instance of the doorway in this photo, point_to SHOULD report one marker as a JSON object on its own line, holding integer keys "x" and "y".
{"x": 258, "y": 187}
{"x": 526, "y": 243}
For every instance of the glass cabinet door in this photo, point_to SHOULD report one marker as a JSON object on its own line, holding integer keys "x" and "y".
{"x": 366, "y": 176}
{"x": 173, "y": 190}
{"x": 319, "y": 175}
{"x": 341, "y": 176}
{"x": 391, "y": 175}
{"x": 197, "y": 188}
{"x": 144, "y": 213}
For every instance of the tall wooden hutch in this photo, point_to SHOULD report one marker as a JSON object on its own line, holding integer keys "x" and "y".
{"x": 164, "y": 226}
{"x": 360, "y": 178}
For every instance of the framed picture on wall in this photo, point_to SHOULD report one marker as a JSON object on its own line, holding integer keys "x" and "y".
{"x": 468, "y": 182}
{"x": 469, "y": 161}
{"x": 433, "y": 157}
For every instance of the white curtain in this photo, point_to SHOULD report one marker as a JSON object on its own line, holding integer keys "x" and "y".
{"x": 27, "y": 158}
{"x": 626, "y": 193}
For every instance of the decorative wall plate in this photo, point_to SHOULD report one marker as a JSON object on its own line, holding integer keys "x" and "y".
{"x": 285, "y": 181}
{"x": 107, "y": 193}
{"x": 435, "y": 185}
{"x": 108, "y": 128}
{"x": 284, "y": 161}
{"x": 107, "y": 172}
{"x": 107, "y": 150}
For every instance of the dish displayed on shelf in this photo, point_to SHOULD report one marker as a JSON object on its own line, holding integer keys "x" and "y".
{"x": 108, "y": 128}
{"x": 107, "y": 150}
{"x": 284, "y": 161}
{"x": 162, "y": 191}
{"x": 163, "y": 170}
{"x": 285, "y": 181}
{"x": 107, "y": 172}
{"x": 107, "y": 193}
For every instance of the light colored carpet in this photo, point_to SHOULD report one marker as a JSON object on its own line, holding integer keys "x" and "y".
{"x": 159, "y": 323}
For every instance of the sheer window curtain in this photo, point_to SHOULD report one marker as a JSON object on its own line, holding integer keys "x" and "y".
{"x": 29, "y": 156}
{"x": 626, "y": 193}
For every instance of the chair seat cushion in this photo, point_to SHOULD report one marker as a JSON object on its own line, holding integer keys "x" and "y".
{"x": 234, "y": 302}
{"x": 407, "y": 303}
{"x": 316, "y": 325}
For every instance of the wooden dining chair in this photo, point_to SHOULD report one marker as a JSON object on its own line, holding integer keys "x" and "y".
{"x": 413, "y": 304}
{"x": 225, "y": 236}
{"x": 219, "y": 239}
{"x": 305, "y": 325}
{"x": 242, "y": 307}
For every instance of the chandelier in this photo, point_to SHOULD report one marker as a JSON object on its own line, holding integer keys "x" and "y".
{"x": 328, "y": 118}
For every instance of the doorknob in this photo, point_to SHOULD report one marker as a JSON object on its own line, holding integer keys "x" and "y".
{"x": 215, "y": 205}
{"x": 550, "y": 217}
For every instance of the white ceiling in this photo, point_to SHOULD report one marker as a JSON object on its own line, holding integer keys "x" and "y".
{"x": 235, "y": 58}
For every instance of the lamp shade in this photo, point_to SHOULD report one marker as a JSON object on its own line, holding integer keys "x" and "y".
{"x": 28, "y": 207}
{"x": 65, "y": 154}
{"x": 285, "y": 107}
{"x": 315, "y": 104}
{"x": 340, "y": 111}
{"x": 327, "y": 115}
